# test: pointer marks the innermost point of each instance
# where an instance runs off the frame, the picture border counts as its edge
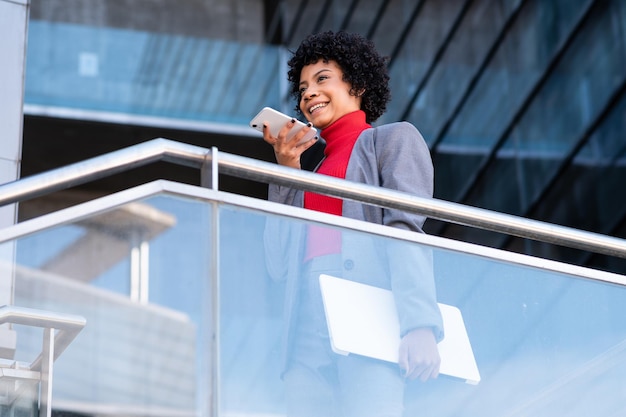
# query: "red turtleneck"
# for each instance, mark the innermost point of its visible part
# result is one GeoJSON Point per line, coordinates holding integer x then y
{"type": "Point", "coordinates": [340, 138]}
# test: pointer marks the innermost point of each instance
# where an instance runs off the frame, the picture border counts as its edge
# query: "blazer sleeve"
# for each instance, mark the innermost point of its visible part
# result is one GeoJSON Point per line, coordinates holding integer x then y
{"type": "Point", "coordinates": [285, 195]}
{"type": "Point", "coordinates": [404, 164]}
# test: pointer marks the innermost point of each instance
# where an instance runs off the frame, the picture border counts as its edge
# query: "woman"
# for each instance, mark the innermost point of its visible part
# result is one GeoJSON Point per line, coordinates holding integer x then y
{"type": "Point", "coordinates": [341, 85]}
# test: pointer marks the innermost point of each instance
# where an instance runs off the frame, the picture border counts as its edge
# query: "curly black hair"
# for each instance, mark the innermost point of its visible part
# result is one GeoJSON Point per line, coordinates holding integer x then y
{"type": "Point", "coordinates": [363, 68]}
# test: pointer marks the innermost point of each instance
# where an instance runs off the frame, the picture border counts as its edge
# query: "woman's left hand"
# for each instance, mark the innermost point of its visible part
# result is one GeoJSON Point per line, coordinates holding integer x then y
{"type": "Point", "coordinates": [419, 355]}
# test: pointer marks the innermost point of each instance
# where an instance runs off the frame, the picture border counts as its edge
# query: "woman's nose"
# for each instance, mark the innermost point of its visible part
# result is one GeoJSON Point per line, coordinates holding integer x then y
{"type": "Point", "coordinates": [308, 94]}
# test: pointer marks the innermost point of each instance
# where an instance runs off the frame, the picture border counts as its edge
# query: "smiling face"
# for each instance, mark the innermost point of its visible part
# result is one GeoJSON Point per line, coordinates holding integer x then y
{"type": "Point", "coordinates": [324, 95]}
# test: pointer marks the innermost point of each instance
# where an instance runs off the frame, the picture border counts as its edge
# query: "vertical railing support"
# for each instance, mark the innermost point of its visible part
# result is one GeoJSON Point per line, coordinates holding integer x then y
{"type": "Point", "coordinates": [139, 268]}
{"type": "Point", "coordinates": [209, 172]}
{"type": "Point", "coordinates": [47, 364]}
{"type": "Point", "coordinates": [215, 311]}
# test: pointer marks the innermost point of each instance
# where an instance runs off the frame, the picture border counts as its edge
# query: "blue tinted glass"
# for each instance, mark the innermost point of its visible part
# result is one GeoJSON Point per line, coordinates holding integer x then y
{"type": "Point", "coordinates": [555, 123]}
{"type": "Point", "coordinates": [536, 349]}
{"type": "Point", "coordinates": [149, 74]}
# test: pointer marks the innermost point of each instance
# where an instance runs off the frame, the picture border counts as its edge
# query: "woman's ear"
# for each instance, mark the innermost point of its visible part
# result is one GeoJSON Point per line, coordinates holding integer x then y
{"type": "Point", "coordinates": [357, 93]}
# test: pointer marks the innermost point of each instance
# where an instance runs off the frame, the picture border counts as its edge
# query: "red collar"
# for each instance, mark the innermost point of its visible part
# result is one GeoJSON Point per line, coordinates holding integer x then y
{"type": "Point", "coordinates": [343, 132]}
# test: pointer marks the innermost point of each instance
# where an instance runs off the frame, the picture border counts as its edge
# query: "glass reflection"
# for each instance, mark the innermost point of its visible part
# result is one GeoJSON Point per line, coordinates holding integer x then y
{"type": "Point", "coordinates": [144, 73]}
{"type": "Point", "coordinates": [535, 346]}
{"type": "Point", "coordinates": [134, 354]}
{"type": "Point", "coordinates": [542, 340]}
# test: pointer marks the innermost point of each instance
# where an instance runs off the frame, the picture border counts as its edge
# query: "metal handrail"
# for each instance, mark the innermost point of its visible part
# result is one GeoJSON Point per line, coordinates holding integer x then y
{"type": "Point", "coordinates": [261, 171]}
{"type": "Point", "coordinates": [68, 326]}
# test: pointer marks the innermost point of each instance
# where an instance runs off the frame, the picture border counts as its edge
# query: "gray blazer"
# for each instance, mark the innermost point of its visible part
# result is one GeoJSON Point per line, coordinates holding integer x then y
{"type": "Point", "coordinates": [393, 156]}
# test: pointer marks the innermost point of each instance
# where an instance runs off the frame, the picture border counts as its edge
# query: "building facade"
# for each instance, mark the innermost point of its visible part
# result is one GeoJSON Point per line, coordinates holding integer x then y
{"type": "Point", "coordinates": [520, 101]}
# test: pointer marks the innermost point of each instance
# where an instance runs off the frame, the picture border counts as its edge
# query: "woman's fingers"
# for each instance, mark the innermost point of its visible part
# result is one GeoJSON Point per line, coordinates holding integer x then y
{"type": "Point", "coordinates": [419, 355]}
{"type": "Point", "coordinates": [288, 149]}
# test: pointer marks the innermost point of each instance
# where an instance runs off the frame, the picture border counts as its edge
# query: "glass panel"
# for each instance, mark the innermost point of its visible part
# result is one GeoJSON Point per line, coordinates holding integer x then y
{"type": "Point", "coordinates": [462, 58]}
{"type": "Point", "coordinates": [538, 350]}
{"type": "Point", "coordinates": [581, 86]}
{"type": "Point", "coordinates": [365, 16]}
{"type": "Point", "coordinates": [428, 30]}
{"type": "Point", "coordinates": [146, 346]}
{"type": "Point", "coordinates": [510, 76]}
{"type": "Point", "coordinates": [542, 340]}
{"type": "Point", "coordinates": [596, 174]}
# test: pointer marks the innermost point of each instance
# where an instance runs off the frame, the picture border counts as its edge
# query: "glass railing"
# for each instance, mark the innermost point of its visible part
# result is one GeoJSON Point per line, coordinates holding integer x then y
{"type": "Point", "coordinates": [136, 356]}
{"type": "Point", "coordinates": [216, 330]}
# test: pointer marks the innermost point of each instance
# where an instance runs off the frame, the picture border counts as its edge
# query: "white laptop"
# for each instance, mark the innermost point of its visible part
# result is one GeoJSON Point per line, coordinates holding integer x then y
{"type": "Point", "coordinates": [363, 320]}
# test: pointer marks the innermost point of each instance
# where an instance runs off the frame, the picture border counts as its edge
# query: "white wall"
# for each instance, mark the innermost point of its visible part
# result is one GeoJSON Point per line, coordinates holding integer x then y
{"type": "Point", "coordinates": [13, 29]}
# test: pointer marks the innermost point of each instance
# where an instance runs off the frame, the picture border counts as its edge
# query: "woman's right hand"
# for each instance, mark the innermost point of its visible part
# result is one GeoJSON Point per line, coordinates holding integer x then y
{"type": "Point", "coordinates": [288, 152]}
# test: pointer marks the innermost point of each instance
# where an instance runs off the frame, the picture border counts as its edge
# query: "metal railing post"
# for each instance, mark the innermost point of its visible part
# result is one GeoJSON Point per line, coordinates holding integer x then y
{"type": "Point", "coordinates": [47, 369]}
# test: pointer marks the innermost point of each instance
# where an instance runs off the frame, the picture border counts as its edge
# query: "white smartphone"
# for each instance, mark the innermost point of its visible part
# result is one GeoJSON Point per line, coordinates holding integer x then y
{"type": "Point", "coordinates": [276, 121]}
